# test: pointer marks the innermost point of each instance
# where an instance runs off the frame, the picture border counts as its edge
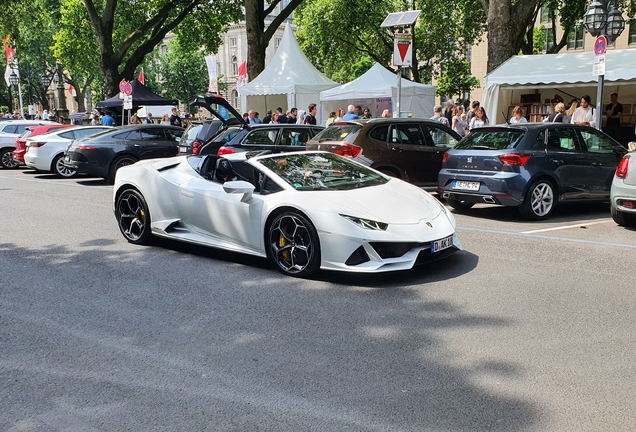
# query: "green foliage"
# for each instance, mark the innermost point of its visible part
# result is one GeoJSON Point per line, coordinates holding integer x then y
{"type": "Point", "coordinates": [183, 70]}
{"type": "Point", "coordinates": [334, 38]}
{"type": "Point", "coordinates": [456, 79]}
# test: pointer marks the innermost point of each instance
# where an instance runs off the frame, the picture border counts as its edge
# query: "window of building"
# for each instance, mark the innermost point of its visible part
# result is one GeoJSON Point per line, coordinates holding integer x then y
{"type": "Point", "coordinates": [233, 42]}
{"type": "Point", "coordinates": [546, 15]}
{"type": "Point", "coordinates": [234, 66]}
{"type": "Point", "coordinates": [236, 102]}
{"type": "Point", "coordinates": [277, 44]}
{"type": "Point", "coordinates": [549, 38]}
{"type": "Point", "coordinates": [576, 37]}
{"type": "Point", "coordinates": [632, 32]}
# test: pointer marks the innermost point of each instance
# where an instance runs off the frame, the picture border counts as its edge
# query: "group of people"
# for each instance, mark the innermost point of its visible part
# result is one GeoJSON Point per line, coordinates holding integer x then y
{"type": "Point", "coordinates": [294, 116]}
{"type": "Point", "coordinates": [578, 112]}
{"type": "Point", "coordinates": [459, 118]}
{"type": "Point", "coordinates": [354, 112]}
{"type": "Point", "coordinates": [108, 120]}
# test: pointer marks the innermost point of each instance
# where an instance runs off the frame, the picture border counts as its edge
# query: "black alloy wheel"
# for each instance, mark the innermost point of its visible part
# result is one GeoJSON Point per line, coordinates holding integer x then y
{"type": "Point", "coordinates": [293, 245]}
{"type": "Point", "coordinates": [120, 161]}
{"type": "Point", "coordinates": [133, 217]}
{"type": "Point", "coordinates": [6, 159]}
{"type": "Point", "coordinates": [61, 170]}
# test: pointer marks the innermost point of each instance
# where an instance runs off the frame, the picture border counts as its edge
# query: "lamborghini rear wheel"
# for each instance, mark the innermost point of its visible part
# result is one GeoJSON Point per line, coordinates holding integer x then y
{"type": "Point", "coordinates": [293, 245]}
{"type": "Point", "coordinates": [133, 217]}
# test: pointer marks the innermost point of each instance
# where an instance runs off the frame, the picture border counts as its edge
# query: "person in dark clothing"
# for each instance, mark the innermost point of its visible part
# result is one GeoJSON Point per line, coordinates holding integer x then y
{"type": "Point", "coordinates": [293, 115]}
{"type": "Point", "coordinates": [268, 117]}
{"type": "Point", "coordinates": [282, 118]}
{"type": "Point", "coordinates": [175, 120]}
{"type": "Point", "coordinates": [310, 118]}
{"type": "Point", "coordinates": [614, 111]}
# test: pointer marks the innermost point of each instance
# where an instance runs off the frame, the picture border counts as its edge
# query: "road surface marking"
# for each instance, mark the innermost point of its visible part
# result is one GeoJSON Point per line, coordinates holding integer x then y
{"type": "Point", "coordinates": [583, 224]}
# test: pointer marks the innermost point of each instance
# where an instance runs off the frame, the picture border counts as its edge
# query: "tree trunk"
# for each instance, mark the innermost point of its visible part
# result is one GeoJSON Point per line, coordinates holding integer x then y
{"type": "Point", "coordinates": [507, 25]}
{"type": "Point", "coordinates": [255, 29]}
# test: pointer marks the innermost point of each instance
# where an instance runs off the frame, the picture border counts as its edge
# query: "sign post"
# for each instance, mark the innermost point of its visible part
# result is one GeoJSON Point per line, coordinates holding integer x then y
{"type": "Point", "coordinates": [126, 95]}
{"type": "Point", "coordinates": [598, 69]}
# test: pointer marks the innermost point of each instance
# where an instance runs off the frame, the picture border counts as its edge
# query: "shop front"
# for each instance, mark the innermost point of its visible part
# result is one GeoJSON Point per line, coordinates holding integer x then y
{"type": "Point", "coordinates": [538, 82]}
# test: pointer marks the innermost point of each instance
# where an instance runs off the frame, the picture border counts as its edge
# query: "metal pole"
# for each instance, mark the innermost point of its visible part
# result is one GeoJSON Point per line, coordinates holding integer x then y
{"type": "Point", "coordinates": [599, 96]}
{"type": "Point", "coordinates": [19, 88]}
{"type": "Point", "coordinates": [399, 91]}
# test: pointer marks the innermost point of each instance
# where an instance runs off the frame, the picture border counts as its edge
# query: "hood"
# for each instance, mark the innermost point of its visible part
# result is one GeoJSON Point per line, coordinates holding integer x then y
{"type": "Point", "coordinates": [209, 100]}
{"type": "Point", "coordinates": [396, 202]}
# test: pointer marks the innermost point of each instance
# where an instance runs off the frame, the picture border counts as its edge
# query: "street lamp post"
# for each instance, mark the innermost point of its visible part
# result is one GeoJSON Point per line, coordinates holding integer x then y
{"type": "Point", "coordinates": [14, 80]}
{"type": "Point", "coordinates": [599, 22]}
{"type": "Point", "coordinates": [62, 111]}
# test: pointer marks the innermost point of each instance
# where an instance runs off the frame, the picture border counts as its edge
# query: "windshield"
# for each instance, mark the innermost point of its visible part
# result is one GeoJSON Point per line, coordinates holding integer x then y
{"type": "Point", "coordinates": [338, 132]}
{"type": "Point", "coordinates": [322, 172]}
{"type": "Point", "coordinates": [491, 140]}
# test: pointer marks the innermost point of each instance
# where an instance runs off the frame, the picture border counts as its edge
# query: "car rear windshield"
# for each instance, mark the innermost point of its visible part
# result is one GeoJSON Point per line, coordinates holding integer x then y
{"type": "Point", "coordinates": [192, 132]}
{"type": "Point", "coordinates": [338, 132]}
{"type": "Point", "coordinates": [491, 140]}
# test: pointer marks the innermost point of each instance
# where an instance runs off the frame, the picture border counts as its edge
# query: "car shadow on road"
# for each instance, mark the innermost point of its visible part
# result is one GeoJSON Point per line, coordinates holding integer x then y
{"type": "Point", "coordinates": [564, 212]}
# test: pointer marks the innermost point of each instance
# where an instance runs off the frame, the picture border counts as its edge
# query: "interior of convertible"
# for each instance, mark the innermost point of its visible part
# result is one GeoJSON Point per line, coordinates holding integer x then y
{"type": "Point", "coordinates": [219, 169]}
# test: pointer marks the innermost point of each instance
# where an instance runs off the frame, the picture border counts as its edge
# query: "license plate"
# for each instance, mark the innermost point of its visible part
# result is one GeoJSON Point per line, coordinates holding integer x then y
{"type": "Point", "coordinates": [466, 185]}
{"type": "Point", "coordinates": [442, 244]}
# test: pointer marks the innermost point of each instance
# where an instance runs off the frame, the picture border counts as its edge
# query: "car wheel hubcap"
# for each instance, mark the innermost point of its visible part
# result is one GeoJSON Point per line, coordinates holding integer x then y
{"type": "Point", "coordinates": [7, 160]}
{"type": "Point", "coordinates": [132, 217]}
{"type": "Point", "coordinates": [63, 170]}
{"type": "Point", "coordinates": [291, 244]}
{"type": "Point", "coordinates": [542, 199]}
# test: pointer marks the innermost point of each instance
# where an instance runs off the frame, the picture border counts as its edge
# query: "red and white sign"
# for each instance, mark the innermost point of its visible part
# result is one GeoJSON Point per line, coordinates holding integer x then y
{"type": "Point", "coordinates": [402, 49]}
{"type": "Point", "coordinates": [600, 45]}
{"type": "Point", "coordinates": [125, 87]}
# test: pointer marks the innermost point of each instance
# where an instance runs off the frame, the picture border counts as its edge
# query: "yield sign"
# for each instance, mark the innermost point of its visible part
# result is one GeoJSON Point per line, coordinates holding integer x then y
{"type": "Point", "coordinates": [402, 49]}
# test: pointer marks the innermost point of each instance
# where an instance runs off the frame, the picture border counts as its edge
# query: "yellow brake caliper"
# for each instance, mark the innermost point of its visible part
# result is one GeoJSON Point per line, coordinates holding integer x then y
{"type": "Point", "coordinates": [281, 243]}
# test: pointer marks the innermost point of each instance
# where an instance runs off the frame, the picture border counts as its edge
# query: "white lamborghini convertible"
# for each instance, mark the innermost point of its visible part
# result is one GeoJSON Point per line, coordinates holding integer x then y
{"type": "Point", "coordinates": [304, 210]}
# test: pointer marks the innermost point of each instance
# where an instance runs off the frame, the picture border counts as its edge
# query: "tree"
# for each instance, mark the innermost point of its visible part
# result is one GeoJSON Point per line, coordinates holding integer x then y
{"type": "Point", "coordinates": [184, 71]}
{"type": "Point", "coordinates": [334, 38]}
{"type": "Point", "coordinates": [457, 80]}
{"type": "Point", "coordinates": [258, 36]}
{"type": "Point", "coordinates": [126, 32]}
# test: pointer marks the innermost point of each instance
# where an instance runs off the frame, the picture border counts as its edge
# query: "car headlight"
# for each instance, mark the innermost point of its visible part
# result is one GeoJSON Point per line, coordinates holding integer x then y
{"type": "Point", "coordinates": [367, 223]}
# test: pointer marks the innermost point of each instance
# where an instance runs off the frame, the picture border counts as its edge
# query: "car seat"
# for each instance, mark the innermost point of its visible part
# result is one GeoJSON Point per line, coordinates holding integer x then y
{"type": "Point", "coordinates": [223, 171]}
{"type": "Point", "coordinates": [208, 166]}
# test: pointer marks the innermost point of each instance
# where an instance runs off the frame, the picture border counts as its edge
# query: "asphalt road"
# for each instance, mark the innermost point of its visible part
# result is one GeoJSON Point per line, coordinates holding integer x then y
{"type": "Point", "coordinates": [530, 328]}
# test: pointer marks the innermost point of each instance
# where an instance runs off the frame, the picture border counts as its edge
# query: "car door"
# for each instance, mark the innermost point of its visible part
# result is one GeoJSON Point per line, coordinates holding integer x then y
{"type": "Point", "coordinates": [442, 141]}
{"type": "Point", "coordinates": [293, 139]}
{"type": "Point", "coordinates": [212, 212]}
{"type": "Point", "coordinates": [602, 155]}
{"type": "Point", "coordinates": [153, 143]}
{"type": "Point", "coordinates": [565, 158]}
{"type": "Point", "coordinates": [409, 150]}
{"type": "Point", "coordinates": [261, 138]}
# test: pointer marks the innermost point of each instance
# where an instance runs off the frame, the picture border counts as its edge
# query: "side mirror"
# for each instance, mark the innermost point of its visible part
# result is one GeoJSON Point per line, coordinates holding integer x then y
{"type": "Point", "coordinates": [239, 187]}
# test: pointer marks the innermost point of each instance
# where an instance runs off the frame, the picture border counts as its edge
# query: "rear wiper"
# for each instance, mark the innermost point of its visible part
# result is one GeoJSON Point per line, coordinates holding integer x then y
{"type": "Point", "coordinates": [482, 147]}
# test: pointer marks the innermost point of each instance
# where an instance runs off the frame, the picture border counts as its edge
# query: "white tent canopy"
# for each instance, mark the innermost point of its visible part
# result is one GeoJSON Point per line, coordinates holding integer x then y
{"type": "Point", "coordinates": [290, 80]}
{"type": "Point", "coordinates": [569, 75]}
{"type": "Point", "coordinates": [377, 89]}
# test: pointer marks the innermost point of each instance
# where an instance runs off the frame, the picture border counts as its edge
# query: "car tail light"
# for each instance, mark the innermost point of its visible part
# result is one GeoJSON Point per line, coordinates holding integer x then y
{"type": "Point", "coordinates": [195, 147]}
{"type": "Point", "coordinates": [514, 159]}
{"type": "Point", "coordinates": [225, 150]}
{"type": "Point", "coordinates": [623, 165]}
{"type": "Point", "coordinates": [348, 150]}
{"type": "Point", "coordinates": [35, 144]}
{"type": "Point", "coordinates": [445, 158]}
{"type": "Point", "coordinates": [85, 147]}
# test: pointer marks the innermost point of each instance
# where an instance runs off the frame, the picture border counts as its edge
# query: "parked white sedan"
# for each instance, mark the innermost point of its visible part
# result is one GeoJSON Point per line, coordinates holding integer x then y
{"type": "Point", "coordinates": [623, 193]}
{"type": "Point", "coordinates": [45, 152]}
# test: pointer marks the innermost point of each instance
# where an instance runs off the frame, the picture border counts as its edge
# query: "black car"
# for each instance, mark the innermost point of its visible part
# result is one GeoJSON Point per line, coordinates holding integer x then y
{"type": "Point", "coordinates": [217, 131]}
{"type": "Point", "coordinates": [277, 138]}
{"type": "Point", "coordinates": [103, 153]}
{"type": "Point", "coordinates": [532, 166]}
{"type": "Point", "coordinates": [407, 148]}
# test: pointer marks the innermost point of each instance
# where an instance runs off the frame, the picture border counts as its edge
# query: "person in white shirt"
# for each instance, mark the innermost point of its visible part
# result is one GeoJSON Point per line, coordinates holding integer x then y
{"type": "Point", "coordinates": [479, 119]}
{"type": "Point", "coordinates": [584, 115]}
{"type": "Point", "coordinates": [517, 115]}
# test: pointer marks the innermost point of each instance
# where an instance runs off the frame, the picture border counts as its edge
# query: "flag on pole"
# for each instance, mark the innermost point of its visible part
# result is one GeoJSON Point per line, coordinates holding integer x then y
{"type": "Point", "coordinates": [11, 66]}
{"type": "Point", "coordinates": [141, 77]}
{"type": "Point", "coordinates": [242, 73]}
{"type": "Point", "coordinates": [8, 49]}
{"type": "Point", "coordinates": [213, 86]}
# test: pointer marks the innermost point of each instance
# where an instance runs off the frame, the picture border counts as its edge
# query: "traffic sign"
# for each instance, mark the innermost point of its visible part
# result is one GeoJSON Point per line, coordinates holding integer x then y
{"type": "Point", "coordinates": [403, 49]}
{"type": "Point", "coordinates": [600, 45]}
{"type": "Point", "coordinates": [125, 87]}
{"type": "Point", "coordinates": [599, 65]}
{"type": "Point", "coordinates": [128, 102]}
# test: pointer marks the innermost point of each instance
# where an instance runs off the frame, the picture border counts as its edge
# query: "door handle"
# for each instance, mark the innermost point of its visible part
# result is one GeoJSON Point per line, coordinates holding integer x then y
{"type": "Point", "coordinates": [557, 161]}
{"type": "Point", "coordinates": [597, 164]}
{"type": "Point", "coordinates": [399, 150]}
